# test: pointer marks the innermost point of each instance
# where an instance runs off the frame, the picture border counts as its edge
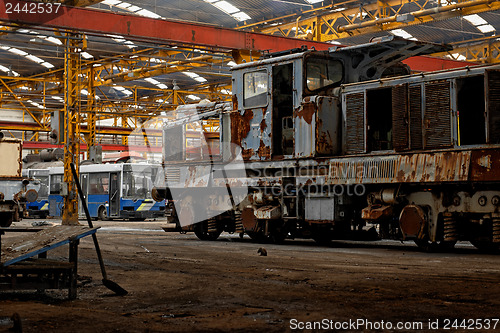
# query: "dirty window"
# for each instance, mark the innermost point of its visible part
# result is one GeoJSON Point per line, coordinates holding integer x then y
{"type": "Point", "coordinates": [99, 183]}
{"type": "Point", "coordinates": [255, 89]}
{"type": "Point", "coordinates": [56, 182]}
{"type": "Point", "coordinates": [322, 72]}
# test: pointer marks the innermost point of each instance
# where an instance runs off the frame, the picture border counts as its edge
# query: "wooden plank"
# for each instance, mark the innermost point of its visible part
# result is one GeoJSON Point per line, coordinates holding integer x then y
{"type": "Point", "coordinates": [26, 246]}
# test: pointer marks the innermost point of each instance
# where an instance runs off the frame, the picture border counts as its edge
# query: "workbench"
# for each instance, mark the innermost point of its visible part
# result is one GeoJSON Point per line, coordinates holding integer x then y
{"type": "Point", "coordinates": [24, 263]}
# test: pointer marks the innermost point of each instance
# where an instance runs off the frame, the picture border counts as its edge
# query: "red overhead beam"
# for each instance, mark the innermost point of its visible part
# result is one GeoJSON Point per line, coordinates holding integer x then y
{"type": "Point", "coordinates": [104, 22]}
{"type": "Point", "coordinates": [428, 63]}
{"type": "Point", "coordinates": [163, 31]}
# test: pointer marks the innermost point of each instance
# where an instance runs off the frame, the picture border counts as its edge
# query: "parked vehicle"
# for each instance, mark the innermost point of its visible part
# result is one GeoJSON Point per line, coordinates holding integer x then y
{"type": "Point", "coordinates": [113, 191]}
{"type": "Point", "coordinates": [347, 144]}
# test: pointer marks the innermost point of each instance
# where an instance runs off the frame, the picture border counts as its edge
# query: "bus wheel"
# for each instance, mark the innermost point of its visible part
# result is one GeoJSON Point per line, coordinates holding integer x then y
{"type": "Point", "coordinates": [201, 231]}
{"type": "Point", "coordinates": [102, 213]}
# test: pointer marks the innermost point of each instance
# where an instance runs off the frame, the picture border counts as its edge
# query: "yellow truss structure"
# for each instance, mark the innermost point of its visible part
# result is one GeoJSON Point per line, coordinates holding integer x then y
{"type": "Point", "coordinates": [337, 21]}
{"type": "Point", "coordinates": [480, 50]}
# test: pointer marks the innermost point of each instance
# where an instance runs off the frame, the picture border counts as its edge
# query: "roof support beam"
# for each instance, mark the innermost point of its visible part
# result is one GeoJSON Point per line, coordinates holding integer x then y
{"type": "Point", "coordinates": [378, 16]}
{"type": "Point", "coordinates": [131, 26]}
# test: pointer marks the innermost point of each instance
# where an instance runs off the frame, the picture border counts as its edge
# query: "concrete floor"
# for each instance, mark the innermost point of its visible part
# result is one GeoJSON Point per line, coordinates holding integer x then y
{"type": "Point", "coordinates": [177, 283]}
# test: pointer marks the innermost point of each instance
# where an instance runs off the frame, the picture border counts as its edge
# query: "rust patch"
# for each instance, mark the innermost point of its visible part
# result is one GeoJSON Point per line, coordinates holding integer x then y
{"type": "Point", "coordinates": [264, 151]}
{"type": "Point", "coordinates": [306, 112]}
{"type": "Point", "coordinates": [249, 220]}
{"type": "Point", "coordinates": [485, 165]}
{"type": "Point", "coordinates": [247, 153]}
{"type": "Point", "coordinates": [263, 125]}
{"type": "Point", "coordinates": [192, 175]}
{"type": "Point", "coordinates": [235, 103]}
{"type": "Point", "coordinates": [240, 126]}
{"type": "Point", "coordinates": [324, 144]}
{"type": "Point", "coordinates": [376, 212]}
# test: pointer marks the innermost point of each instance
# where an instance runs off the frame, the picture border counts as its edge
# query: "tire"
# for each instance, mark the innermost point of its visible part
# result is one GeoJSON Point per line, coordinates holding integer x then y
{"type": "Point", "coordinates": [102, 214]}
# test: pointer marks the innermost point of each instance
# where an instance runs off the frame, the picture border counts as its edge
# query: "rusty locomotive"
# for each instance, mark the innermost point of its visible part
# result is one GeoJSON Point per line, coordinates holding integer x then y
{"type": "Point", "coordinates": [342, 144]}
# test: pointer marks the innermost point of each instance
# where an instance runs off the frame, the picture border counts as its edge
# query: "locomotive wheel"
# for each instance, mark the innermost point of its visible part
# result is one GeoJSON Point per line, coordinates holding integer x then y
{"type": "Point", "coordinates": [322, 239]}
{"type": "Point", "coordinates": [201, 231]}
{"type": "Point", "coordinates": [257, 236]}
{"type": "Point", "coordinates": [428, 246]}
{"type": "Point", "coordinates": [486, 246]}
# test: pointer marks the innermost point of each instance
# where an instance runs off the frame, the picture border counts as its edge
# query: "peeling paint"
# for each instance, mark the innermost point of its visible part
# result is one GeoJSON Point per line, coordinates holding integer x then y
{"type": "Point", "coordinates": [240, 126]}
{"type": "Point", "coordinates": [306, 112]}
{"type": "Point", "coordinates": [264, 151]}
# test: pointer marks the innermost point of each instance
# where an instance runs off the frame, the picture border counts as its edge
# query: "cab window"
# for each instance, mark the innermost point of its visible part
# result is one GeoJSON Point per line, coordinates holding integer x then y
{"type": "Point", "coordinates": [255, 90]}
{"type": "Point", "coordinates": [321, 73]}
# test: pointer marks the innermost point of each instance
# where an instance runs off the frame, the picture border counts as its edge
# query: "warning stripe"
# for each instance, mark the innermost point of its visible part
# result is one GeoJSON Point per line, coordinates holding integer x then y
{"type": "Point", "coordinates": [145, 206]}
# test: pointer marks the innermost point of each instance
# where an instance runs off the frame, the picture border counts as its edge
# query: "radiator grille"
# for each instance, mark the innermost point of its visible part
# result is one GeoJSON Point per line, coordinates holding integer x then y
{"type": "Point", "coordinates": [437, 118]}
{"type": "Point", "coordinates": [373, 170]}
{"type": "Point", "coordinates": [172, 175]}
{"type": "Point", "coordinates": [415, 109]}
{"type": "Point", "coordinates": [400, 117]}
{"type": "Point", "coordinates": [355, 123]}
{"type": "Point", "coordinates": [493, 80]}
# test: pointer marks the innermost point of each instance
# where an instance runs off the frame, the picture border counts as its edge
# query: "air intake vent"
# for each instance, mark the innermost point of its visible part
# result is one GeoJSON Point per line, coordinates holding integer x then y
{"type": "Point", "coordinates": [355, 123]}
{"type": "Point", "coordinates": [172, 175]}
{"type": "Point", "coordinates": [437, 119]}
{"type": "Point", "coordinates": [365, 170]}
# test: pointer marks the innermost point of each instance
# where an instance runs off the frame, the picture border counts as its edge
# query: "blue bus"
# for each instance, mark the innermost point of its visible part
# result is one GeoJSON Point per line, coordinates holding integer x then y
{"type": "Point", "coordinates": [39, 207]}
{"type": "Point", "coordinates": [113, 191]}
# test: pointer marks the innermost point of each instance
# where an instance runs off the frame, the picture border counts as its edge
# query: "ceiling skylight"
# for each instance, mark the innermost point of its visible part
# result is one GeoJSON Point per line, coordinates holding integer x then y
{"type": "Point", "coordinates": [8, 71]}
{"type": "Point", "coordinates": [28, 56]}
{"type": "Point", "coordinates": [480, 23]}
{"type": "Point", "coordinates": [35, 104]}
{"type": "Point", "coordinates": [193, 97]}
{"type": "Point", "coordinates": [131, 8]}
{"type": "Point", "coordinates": [313, 1]}
{"type": "Point", "coordinates": [156, 83]}
{"type": "Point", "coordinates": [230, 9]}
{"type": "Point", "coordinates": [120, 39]}
{"type": "Point", "coordinates": [195, 77]}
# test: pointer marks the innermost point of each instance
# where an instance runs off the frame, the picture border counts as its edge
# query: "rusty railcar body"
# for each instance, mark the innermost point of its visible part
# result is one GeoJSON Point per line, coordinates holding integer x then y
{"type": "Point", "coordinates": [346, 145]}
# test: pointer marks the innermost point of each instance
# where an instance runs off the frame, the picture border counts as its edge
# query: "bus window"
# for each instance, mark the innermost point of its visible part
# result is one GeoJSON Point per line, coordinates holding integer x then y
{"type": "Point", "coordinates": [56, 182]}
{"type": "Point", "coordinates": [137, 183]}
{"type": "Point", "coordinates": [99, 183]}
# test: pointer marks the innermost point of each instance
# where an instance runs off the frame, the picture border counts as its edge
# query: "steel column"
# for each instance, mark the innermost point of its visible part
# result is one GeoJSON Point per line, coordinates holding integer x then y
{"type": "Point", "coordinates": [72, 125]}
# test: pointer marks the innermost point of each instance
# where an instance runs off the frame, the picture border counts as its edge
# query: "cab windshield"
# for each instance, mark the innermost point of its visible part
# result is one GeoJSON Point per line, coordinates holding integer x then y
{"type": "Point", "coordinates": [321, 73]}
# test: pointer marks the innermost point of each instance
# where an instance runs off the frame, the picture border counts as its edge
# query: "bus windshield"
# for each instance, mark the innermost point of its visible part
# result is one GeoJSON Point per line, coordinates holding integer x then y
{"type": "Point", "coordinates": [138, 183]}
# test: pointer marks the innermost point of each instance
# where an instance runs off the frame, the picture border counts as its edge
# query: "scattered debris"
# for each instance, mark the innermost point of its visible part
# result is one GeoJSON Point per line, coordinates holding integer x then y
{"type": "Point", "coordinates": [41, 223]}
